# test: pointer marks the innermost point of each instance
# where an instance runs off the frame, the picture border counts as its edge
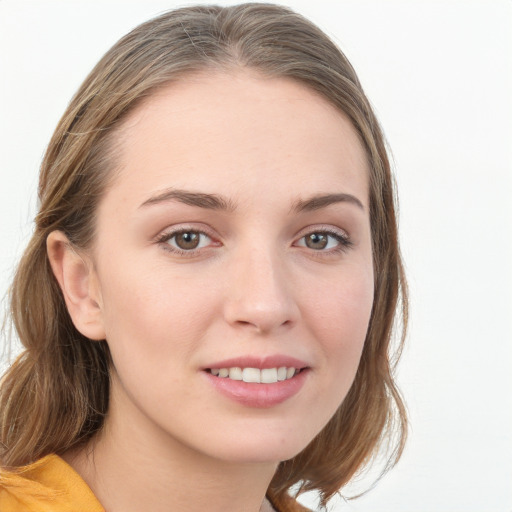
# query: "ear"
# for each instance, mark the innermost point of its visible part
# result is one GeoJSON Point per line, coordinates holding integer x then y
{"type": "Point", "coordinates": [79, 284]}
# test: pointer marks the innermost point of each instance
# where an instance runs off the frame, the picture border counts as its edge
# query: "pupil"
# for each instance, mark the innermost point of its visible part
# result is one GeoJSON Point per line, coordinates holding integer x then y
{"type": "Point", "coordinates": [316, 241]}
{"type": "Point", "coordinates": [187, 240]}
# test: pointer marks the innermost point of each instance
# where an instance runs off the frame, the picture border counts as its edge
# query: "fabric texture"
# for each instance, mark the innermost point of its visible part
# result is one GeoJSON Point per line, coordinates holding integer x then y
{"type": "Point", "coordinates": [52, 485]}
{"type": "Point", "coordinates": [48, 485]}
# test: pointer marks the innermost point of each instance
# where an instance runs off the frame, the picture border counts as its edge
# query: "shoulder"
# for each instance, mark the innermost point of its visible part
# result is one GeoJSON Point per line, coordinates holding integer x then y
{"type": "Point", "coordinates": [48, 485]}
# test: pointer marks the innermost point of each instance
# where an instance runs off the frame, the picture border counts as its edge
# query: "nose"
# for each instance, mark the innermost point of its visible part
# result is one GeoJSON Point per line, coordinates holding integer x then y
{"type": "Point", "coordinates": [259, 293]}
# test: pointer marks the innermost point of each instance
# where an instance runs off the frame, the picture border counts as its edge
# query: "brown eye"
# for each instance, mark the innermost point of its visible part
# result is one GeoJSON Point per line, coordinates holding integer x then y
{"type": "Point", "coordinates": [324, 241]}
{"type": "Point", "coordinates": [316, 240]}
{"type": "Point", "coordinates": [187, 240]}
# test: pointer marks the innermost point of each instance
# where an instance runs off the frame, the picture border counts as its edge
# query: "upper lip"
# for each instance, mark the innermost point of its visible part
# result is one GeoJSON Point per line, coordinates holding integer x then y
{"type": "Point", "coordinates": [273, 361]}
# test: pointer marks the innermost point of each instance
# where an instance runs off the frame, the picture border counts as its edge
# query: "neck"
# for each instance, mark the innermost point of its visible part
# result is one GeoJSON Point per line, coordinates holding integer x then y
{"type": "Point", "coordinates": [131, 468]}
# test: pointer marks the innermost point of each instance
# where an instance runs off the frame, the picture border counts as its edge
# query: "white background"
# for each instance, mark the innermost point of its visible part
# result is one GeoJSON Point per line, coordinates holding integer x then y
{"type": "Point", "coordinates": [439, 74]}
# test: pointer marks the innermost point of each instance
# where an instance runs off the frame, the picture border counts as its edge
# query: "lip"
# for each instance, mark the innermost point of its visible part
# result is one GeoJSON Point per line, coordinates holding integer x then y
{"type": "Point", "coordinates": [274, 361]}
{"type": "Point", "coordinates": [254, 395]}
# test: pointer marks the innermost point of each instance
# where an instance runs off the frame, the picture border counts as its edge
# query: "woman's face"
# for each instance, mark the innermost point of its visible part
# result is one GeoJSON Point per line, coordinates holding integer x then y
{"type": "Point", "coordinates": [235, 240]}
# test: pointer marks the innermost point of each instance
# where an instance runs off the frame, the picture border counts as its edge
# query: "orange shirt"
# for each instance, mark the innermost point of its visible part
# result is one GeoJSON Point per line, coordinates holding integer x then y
{"type": "Point", "coordinates": [48, 485]}
{"type": "Point", "coordinates": [52, 485]}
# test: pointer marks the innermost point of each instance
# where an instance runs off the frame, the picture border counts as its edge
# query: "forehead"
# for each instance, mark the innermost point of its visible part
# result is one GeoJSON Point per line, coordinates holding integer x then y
{"type": "Point", "coordinates": [239, 131]}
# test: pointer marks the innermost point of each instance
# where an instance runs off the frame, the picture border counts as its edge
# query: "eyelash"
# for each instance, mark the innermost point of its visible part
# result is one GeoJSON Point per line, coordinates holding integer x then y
{"type": "Point", "coordinates": [344, 242]}
{"type": "Point", "coordinates": [166, 237]}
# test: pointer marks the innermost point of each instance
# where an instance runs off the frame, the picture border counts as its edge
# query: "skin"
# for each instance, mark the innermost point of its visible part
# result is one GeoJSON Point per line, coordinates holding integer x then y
{"type": "Point", "coordinates": [253, 287]}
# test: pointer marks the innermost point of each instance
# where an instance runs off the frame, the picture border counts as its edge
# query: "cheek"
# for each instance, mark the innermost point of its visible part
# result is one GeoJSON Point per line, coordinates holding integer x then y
{"type": "Point", "coordinates": [344, 304]}
{"type": "Point", "coordinates": [150, 315]}
{"type": "Point", "coordinates": [340, 315]}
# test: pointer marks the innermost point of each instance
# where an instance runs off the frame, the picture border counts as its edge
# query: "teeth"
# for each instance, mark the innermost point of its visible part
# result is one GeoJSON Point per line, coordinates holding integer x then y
{"type": "Point", "coordinates": [251, 375]}
{"type": "Point", "coordinates": [255, 375]}
{"type": "Point", "coordinates": [235, 373]}
{"type": "Point", "coordinates": [269, 375]}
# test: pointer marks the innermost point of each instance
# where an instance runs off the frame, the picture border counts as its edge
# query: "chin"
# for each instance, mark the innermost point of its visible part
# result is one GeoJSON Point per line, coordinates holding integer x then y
{"type": "Point", "coordinates": [260, 448]}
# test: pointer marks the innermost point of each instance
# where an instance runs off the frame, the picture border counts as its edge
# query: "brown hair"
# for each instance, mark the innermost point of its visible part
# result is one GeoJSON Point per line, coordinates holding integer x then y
{"type": "Point", "coordinates": [55, 395]}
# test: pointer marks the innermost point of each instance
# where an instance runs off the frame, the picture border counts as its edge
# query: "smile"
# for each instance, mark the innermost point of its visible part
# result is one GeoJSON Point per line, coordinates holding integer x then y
{"type": "Point", "coordinates": [255, 375]}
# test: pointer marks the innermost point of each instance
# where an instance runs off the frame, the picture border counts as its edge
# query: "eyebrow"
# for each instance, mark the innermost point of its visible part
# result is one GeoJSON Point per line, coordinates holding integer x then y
{"type": "Point", "coordinates": [217, 202]}
{"type": "Point", "coordinates": [199, 199]}
{"type": "Point", "coordinates": [321, 201]}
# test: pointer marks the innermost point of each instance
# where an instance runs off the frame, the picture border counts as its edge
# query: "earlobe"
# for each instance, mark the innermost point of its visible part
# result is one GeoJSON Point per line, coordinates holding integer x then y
{"type": "Point", "coordinates": [77, 280]}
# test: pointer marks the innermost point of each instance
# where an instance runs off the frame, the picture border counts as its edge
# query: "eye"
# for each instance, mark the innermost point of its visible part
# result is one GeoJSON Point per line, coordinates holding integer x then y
{"type": "Point", "coordinates": [324, 241]}
{"type": "Point", "coordinates": [186, 240]}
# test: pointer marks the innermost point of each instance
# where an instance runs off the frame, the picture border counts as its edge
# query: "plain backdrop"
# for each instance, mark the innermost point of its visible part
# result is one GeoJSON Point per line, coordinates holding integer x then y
{"type": "Point", "coordinates": [439, 74]}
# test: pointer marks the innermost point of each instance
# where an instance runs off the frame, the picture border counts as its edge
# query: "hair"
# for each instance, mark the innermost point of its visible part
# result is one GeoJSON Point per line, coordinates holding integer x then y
{"type": "Point", "coordinates": [55, 395]}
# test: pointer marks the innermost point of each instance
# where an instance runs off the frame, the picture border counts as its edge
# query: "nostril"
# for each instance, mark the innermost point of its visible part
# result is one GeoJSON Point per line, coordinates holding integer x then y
{"type": "Point", "coordinates": [262, 309]}
{"type": "Point", "coordinates": [263, 324]}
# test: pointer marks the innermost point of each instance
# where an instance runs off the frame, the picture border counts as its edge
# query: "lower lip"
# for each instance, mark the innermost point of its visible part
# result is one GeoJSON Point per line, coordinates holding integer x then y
{"type": "Point", "coordinates": [258, 395]}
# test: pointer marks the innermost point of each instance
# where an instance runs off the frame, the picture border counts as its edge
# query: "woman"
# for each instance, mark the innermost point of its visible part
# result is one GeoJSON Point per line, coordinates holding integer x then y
{"type": "Point", "coordinates": [208, 298]}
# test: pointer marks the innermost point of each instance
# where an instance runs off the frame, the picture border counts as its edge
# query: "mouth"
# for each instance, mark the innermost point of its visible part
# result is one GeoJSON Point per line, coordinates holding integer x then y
{"type": "Point", "coordinates": [258, 382]}
{"type": "Point", "coordinates": [256, 375]}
